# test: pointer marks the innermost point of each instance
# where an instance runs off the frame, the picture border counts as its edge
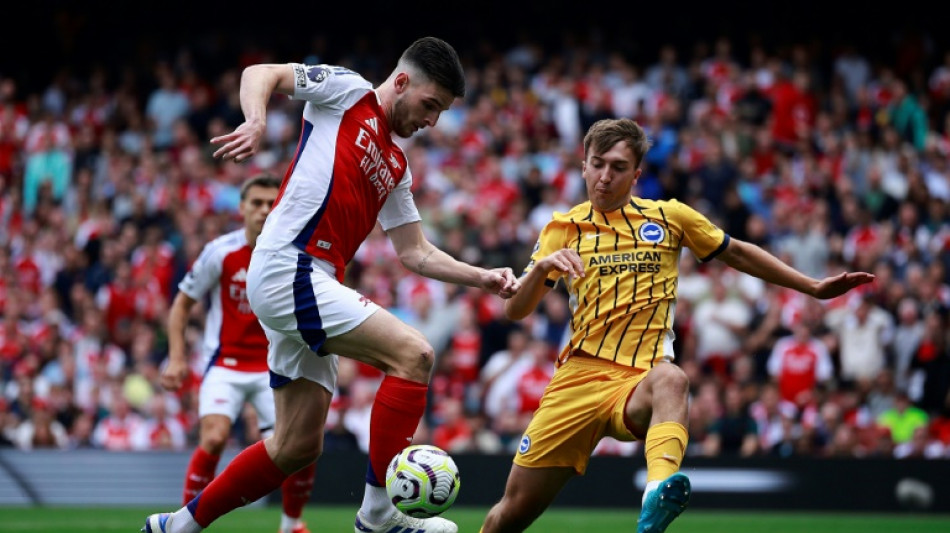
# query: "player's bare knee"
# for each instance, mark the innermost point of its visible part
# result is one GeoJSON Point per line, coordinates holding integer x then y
{"type": "Point", "coordinates": [415, 361]}
{"type": "Point", "coordinates": [671, 379]}
{"type": "Point", "coordinates": [300, 451]}
{"type": "Point", "coordinates": [213, 444]}
{"type": "Point", "coordinates": [214, 438]}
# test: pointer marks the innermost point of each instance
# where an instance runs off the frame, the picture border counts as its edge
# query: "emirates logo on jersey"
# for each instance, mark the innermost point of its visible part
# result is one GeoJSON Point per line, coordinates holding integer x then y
{"type": "Point", "coordinates": [240, 276]}
{"type": "Point", "coordinates": [238, 294]}
{"type": "Point", "coordinates": [374, 165]}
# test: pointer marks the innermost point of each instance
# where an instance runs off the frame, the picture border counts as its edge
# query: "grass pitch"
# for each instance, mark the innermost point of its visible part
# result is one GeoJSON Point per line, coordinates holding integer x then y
{"type": "Point", "coordinates": [334, 519]}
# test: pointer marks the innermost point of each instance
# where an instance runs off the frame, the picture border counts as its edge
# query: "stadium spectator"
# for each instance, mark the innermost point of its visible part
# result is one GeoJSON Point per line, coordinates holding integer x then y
{"type": "Point", "coordinates": [734, 432]}
{"type": "Point", "coordinates": [864, 332]}
{"type": "Point", "coordinates": [158, 430]}
{"type": "Point", "coordinates": [166, 104]}
{"type": "Point", "coordinates": [719, 323]}
{"type": "Point", "coordinates": [800, 363]}
{"type": "Point", "coordinates": [41, 430]}
{"type": "Point", "coordinates": [903, 419]}
{"type": "Point", "coordinates": [770, 412]}
{"type": "Point", "coordinates": [115, 431]}
{"type": "Point", "coordinates": [454, 433]}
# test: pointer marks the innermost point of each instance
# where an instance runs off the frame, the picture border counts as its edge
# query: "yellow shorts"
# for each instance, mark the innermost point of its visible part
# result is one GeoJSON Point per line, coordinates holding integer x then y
{"type": "Point", "coordinates": [584, 402]}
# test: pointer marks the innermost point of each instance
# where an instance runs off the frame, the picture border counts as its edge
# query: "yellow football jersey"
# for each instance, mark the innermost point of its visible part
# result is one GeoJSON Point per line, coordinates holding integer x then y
{"type": "Point", "coordinates": [623, 307]}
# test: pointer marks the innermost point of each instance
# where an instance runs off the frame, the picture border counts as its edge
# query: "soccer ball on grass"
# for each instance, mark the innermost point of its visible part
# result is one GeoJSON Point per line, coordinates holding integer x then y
{"type": "Point", "coordinates": [422, 481]}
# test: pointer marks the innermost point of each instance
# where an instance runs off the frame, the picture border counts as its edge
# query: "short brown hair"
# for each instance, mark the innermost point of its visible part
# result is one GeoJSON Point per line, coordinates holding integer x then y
{"type": "Point", "coordinates": [438, 61]}
{"type": "Point", "coordinates": [268, 181]}
{"type": "Point", "coordinates": [608, 132]}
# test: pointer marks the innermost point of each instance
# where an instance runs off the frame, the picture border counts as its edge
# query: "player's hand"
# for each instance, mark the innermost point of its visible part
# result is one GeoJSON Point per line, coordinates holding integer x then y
{"type": "Point", "coordinates": [241, 144]}
{"type": "Point", "coordinates": [501, 281]}
{"type": "Point", "coordinates": [566, 261]}
{"type": "Point", "coordinates": [840, 284]}
{"type": "Point", "coordinates": [174, 375]}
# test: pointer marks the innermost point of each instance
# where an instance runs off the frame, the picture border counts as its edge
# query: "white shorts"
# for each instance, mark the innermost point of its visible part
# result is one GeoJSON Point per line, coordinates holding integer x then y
{"type": "Point", "coordinates": [224, 391]}
{"type": "Point", "coordinates": [300, 304]}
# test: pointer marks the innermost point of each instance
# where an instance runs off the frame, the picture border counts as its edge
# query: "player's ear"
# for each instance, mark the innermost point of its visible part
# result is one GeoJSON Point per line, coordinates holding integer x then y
{"type": "Point", "coordinates": [401, 82]}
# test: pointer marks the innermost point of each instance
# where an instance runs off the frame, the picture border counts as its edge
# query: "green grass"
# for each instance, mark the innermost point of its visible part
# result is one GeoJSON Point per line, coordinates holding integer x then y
{"type": "Point", "coordinates": [558, 520]}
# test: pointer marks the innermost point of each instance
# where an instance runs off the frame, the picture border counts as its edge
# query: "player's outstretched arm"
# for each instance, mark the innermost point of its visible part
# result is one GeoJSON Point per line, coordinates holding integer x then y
{"type": "Point", "coordinates": [175, 372]}
{"type": "Point", "coordinates": [258, 83]}
{"type": "Point", "coordinates": [757, 262]}
{"type": "Point", "coordinates": [533, 286]}
{"type": "Point", "coordinates": [419, 255]}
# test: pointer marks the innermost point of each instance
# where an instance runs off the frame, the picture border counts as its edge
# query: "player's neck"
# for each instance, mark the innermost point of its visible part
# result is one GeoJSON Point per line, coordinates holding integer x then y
{"type": "Point", "coordinates": [251, 238]}
{"type": "Point", "coordinates": [385, 99]}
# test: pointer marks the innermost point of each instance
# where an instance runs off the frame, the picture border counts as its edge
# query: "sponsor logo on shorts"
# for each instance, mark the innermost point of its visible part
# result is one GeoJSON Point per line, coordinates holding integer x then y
{"type": "Point", "coordinates": [323, 244]}
{"type": "Point", "coordinates": [525, 445]}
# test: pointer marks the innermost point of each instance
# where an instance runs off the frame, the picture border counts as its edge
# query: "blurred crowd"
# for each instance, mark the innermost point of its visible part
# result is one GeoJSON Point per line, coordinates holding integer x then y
{"type": "Point", "coordinates": [831, 159]}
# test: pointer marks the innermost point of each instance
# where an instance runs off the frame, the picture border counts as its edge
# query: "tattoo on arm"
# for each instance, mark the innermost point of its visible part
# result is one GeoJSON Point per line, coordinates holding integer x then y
{"type": "Point", "coordinates": [422, 264]}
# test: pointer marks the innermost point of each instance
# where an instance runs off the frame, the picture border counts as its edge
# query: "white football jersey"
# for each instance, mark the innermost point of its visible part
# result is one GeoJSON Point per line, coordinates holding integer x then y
{"type": "Point", "coordinates": [347, 173]}
{"type": "Point", "coordinates": [233, 337]}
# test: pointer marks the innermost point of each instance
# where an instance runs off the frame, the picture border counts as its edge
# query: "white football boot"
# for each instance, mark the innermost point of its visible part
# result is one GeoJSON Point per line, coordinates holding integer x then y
{"type": "Point", "coordinates": [157, 523]}
{"type": "Point", "coordinates": [401, 522]}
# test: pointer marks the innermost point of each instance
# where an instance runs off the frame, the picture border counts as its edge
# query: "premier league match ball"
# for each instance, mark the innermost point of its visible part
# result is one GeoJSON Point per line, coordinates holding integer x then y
{"type": "Point", "coordinates": [422, 481]}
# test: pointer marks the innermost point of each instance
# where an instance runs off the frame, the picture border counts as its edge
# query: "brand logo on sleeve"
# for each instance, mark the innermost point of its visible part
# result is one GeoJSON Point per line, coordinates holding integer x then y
{"type": "Point", "coordinates": [525, 445]}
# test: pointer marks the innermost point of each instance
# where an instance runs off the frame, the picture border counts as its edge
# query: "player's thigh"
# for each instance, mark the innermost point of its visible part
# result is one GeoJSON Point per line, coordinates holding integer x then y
{"type": "Point", "coordinates": [383, 341]}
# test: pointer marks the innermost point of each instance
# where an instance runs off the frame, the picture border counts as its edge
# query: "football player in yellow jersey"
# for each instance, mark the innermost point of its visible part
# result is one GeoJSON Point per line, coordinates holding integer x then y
{"type": "Point", "coordinates": [615, 377]}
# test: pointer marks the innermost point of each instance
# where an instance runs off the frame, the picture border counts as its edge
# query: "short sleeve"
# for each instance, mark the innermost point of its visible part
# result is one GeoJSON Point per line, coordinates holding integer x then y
{"type": "Point", "coordinates": [399, 208]}
{"type": "Point", "coordinates": [551, 239]}
{"type": "Point", "coordinates": [700, 235]}
{"type": "Point", "coordinates": [203, 275]}
{"type": "Point", "coordinates": [327, 85]}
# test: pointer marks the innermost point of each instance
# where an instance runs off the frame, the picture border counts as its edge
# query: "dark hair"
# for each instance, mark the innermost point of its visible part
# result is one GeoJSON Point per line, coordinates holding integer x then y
{"type": "Point", "coordinates": [608, 132]}
{"type": "Point", "coordinates": [438, 61]}
{"type": "Point", "coordinates": [268, 181]}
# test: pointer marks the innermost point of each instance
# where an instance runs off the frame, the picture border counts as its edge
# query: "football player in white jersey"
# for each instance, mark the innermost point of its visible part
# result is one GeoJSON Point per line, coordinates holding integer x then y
{"type": "Point", "coordinates": [348, 174]}
{"type": "Point", "coordinates": [234, 351]}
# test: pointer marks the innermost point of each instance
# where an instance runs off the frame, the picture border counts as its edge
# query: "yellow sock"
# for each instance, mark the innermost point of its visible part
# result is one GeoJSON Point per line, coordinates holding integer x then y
{"type": "Point", "coordinates": [664, 449]}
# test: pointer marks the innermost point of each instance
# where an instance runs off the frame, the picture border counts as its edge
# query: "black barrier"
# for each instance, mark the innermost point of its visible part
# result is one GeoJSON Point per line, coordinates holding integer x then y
{"type": "Point", "coordinates": [754, 483]}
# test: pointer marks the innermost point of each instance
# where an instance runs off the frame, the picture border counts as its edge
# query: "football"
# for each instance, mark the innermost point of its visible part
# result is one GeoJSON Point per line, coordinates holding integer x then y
{"type": "Point", "coordinates": [422, 481]}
